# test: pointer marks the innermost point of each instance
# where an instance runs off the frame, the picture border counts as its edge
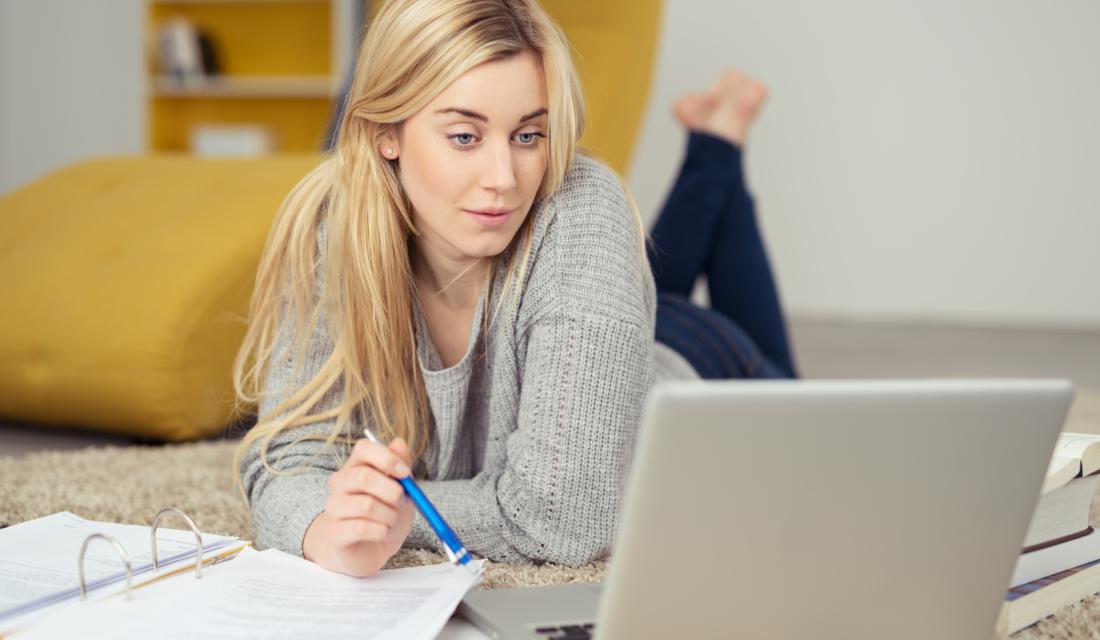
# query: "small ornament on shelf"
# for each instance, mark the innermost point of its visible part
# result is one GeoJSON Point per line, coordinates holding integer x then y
{"type": "Point", "coordinates": [186, 56]}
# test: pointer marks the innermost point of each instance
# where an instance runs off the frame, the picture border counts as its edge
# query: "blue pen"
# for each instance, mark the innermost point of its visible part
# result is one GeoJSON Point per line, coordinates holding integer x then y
{"type": "Point", "coordinates": [456, 551]}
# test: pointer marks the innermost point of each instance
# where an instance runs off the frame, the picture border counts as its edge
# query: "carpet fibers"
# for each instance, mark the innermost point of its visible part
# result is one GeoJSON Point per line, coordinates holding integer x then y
{"type": "Point", "coordinates": [130, 484]}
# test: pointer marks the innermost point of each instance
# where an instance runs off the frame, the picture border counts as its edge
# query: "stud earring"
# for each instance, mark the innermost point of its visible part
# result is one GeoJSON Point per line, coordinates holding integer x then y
{"type": "Point", "coordinates": [389, 152]}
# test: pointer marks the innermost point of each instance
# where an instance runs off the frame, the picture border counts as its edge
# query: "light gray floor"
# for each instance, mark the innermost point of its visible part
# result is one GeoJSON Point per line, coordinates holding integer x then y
{"type": "Point", "coordinates": [829, 349]}
{"type": "Point", "coordinates": [826, 349]}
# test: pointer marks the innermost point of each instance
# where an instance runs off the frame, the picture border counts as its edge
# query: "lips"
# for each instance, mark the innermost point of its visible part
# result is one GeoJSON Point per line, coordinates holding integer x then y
{"type": "Point", "coordinates": [490, 218]}
{"type": "Point", "coordinates": [490, 212]}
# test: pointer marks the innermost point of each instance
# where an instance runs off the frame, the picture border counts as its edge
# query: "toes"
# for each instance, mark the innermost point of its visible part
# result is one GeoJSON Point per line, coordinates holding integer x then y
{"type": "Point", "coordinates": [693, 109]}
{"type": "Point", "coordinates": [737, 87]}
{"type": "Point", "coordinates": [729, 73]}
{"type": "Point", "coordinates": [732, 78]}
{"type": "Point", "coordinates": [756, 92]}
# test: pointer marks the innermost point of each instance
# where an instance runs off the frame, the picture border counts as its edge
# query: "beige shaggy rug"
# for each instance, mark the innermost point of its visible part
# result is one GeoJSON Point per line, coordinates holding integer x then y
{"type": "Point", "coordinates": [129, 484]}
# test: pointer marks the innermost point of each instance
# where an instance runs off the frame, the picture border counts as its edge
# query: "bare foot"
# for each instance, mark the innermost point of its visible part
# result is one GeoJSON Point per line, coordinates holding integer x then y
{"type": "Point", "coordinates": [694, 109]}
{"type": "Point", "coordinates": [727, 109]}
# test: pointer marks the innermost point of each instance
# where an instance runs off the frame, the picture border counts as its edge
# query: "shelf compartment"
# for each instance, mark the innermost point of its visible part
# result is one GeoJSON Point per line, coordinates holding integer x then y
{"type": "Point", "coordinates": [298, 124]}
{"type": "Point", "coordinates": [260, 38]}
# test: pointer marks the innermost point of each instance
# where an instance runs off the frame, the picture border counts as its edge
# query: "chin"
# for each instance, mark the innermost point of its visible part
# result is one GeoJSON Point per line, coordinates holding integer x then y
{"type": "Point", "coordinates": [485, 249]}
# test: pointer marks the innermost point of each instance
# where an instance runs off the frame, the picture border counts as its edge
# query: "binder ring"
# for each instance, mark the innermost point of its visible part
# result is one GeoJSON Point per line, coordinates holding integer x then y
{"type": "Point", "coordinates": [190, 523]}
{"type": "Point", "coordinates": [122, 552]}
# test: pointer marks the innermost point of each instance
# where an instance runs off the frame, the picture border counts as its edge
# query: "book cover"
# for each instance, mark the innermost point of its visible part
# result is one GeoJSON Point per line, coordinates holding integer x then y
{"type": "Point", "coordinates": [1031, 602]}
{"type": "Point", "coordinates": [1016, 593]}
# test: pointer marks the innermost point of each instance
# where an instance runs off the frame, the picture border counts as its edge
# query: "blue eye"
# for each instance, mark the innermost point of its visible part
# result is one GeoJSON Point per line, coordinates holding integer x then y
{"type": "Point", "coordinates": [466, 139]}
{"type": "Point", "coordinates": [533, 138]}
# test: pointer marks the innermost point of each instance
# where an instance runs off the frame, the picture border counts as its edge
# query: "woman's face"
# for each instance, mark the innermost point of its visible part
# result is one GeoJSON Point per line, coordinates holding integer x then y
{"type": "Point", "coordinates": [480, 146]}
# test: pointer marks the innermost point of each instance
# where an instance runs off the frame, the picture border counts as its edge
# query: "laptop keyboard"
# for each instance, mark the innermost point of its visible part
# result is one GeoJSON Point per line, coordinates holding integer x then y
{"type": "Point", "coordinates": [566, 632]}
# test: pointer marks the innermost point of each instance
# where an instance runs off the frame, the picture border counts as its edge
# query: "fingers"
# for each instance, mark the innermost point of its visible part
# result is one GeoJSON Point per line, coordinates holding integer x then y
{"type": "Point", "coordinates": [360, 479]}
{"type": "Point", "coordinates": [371, 469]}
{"type": "Point", "coordinates": [401, 448]}
{"type": "Point", "coordinates": [366, 502]}
{"type": "Point", "coordinates": [351, 532]}
{"type": "Point", "coordinates": [350, 506]}
{"type": "Point", "coordinates": [383, 458]}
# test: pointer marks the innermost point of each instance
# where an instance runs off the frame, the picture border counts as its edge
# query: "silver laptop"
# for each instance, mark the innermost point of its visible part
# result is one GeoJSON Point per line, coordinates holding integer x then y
{"type": "Point", "coordinates": [846, 509]}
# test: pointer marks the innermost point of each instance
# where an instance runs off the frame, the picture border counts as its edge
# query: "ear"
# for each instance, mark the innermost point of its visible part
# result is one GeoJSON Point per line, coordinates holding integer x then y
{"type": "Point", "coordinates": [388, 147]}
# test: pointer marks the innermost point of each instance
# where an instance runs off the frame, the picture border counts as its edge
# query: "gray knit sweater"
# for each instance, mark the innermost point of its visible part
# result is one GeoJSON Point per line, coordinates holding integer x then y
{"type": "Point", "coordinates": [532, 430]}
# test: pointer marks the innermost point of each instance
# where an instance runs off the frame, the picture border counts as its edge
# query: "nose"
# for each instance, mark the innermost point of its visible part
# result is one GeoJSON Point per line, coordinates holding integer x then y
{"type": "Point", "coordinates": [500, 172]}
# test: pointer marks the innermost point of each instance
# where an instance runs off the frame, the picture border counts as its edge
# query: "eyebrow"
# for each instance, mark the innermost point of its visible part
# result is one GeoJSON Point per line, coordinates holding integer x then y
{"type": "Point", "coordinates": [477, 116]}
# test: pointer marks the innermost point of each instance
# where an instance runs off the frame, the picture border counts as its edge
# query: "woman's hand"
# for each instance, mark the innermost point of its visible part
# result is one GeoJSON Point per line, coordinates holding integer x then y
{"type": "Point", "coordinates": [367, 515]}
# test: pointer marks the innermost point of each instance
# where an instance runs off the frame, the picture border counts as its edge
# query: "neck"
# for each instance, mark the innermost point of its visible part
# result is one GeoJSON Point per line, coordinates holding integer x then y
{"type": "Point", "coordinates": [454, 282]}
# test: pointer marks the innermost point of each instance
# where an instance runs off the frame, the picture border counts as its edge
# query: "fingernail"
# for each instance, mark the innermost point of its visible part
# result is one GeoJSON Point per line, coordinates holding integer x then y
{"type": "Point", "coordinates": [401, 470]}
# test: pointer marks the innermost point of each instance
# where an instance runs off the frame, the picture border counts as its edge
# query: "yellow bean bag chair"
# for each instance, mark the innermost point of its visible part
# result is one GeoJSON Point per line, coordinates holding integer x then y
{"type": "Point", "coordinates": [127, 280]}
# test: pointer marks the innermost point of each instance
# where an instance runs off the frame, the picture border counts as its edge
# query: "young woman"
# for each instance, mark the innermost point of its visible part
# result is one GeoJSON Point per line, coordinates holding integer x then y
{"type": "Point", "coordinates": [459, 278]}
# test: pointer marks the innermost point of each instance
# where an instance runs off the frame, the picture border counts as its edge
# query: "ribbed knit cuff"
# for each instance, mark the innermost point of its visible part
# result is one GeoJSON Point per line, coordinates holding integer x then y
{"type": "Point", "coordinates": [296, 500]}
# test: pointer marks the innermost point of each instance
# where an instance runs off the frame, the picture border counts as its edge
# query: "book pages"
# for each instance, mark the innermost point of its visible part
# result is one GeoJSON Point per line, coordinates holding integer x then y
{"type": "Point", "coordinates": [1062, 469]}
{"type": "Point", "coordinates": [1084, 446]}
{"type": "Point", "coordinates": [270, 594]}
{"type": "Point", "coordinates": [38, 559]}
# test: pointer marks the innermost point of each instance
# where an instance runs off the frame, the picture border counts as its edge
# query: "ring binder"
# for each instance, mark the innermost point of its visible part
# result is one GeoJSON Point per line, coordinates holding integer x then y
{"type": "Point", "coordinates": [126, 558]}
{"type": "Point", "coordinates": [190, 523]}
{"type": "Point", "coordinates": [263, 594]}
{"type": "Point", "coordinates": [48, 538]}
{"type": "Point", "coordinates": [122, 552]}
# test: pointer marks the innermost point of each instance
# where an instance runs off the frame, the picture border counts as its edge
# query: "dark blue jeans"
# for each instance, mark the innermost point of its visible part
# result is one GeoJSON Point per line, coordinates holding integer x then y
{"type": "Point", "coordinates": [708, 227]}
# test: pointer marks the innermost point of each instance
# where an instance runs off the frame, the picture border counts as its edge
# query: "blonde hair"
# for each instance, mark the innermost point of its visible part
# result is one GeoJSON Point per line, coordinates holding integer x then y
{"type": "Point", "coordinates": [412, 51]}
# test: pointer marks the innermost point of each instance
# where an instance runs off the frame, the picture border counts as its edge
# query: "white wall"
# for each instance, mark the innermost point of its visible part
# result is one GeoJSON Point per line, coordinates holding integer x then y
{"type": "Point", "coordinates": [917, 160]}
{"type": "Point", "coordinates": [70, 84]}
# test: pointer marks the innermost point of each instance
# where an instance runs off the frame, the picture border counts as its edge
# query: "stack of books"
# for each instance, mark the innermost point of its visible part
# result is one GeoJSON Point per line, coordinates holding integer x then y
{"type": "Point", "coordinates": [185, 54]}
{"type": "Point", "coordinates": [1060, 561]}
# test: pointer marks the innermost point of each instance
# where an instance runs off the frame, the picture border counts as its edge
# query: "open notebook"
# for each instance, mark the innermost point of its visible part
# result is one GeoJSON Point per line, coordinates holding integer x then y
{"type": "Point", "coordinates": [39, 568]}
{"type": "Point", "coordinates": [271, 594]}
{"type": "Point", "coordinates": [256, 594]}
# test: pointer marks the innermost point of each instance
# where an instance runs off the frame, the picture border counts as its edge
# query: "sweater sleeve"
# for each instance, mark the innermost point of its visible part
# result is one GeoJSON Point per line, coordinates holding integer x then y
{"type": "Point", "coordinates": [586, 369]}
{"type": "Point", "coordinates": [284, 504]}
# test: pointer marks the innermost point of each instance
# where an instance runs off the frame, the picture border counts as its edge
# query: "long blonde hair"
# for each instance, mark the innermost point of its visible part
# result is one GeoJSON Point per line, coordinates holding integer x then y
{"type": "Point", "coordinates": [412, 51]}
